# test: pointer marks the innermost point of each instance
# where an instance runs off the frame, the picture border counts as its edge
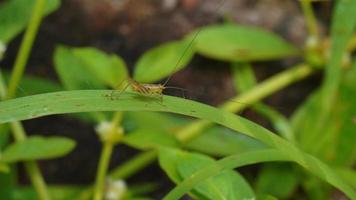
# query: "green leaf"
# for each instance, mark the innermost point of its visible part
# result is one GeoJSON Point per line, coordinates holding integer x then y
{"type": "Point", "coordinates": [152, 121]}
{"type": "Point", "coordinates": [277, 179]}
{"type": "Point", "coordinates": [169, 160]}
{"type": "Point", "coordinates": [36, 148]}
{"type": "Point", "coordinates": [97, 100]}
{"type": "Point", "coordinates": [227, 185]}
{"type": "Point", "coordinates": [163, 60]}
{"type": "Point", "coordinates": [220, 141]}
{"type": "Point", "coordinates": [72, 72]}
{"type": "Point", "coordinates": [349, 175]}
{"type": "Point", "coordinates": [227, 163]}
{"type": "Point", "coordinates": [343, 25]}
{"type": "Point", "coordinates": [150, 130]}
{"type": "Point", "coordinates": [336, 144]}
{"type": "Point", "coordinates": [8, 183]}
{"type": "Point", "coordinates": [145, 139]}
{"type": "Point", "coordinates": [15, 14]}
{"type": "Point", "coordinates": [109, 69]}
{"type": "Point", "coordinates": [88, 68]}
{"type": "Point", "coordinates": [30, 85]}
{"type": "Point", "coordinates": [240, 43]}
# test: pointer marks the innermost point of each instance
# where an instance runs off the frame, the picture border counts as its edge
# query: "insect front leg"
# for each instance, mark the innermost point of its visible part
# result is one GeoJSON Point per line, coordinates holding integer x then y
{"type": "Point", "coordinates": [112, 94]}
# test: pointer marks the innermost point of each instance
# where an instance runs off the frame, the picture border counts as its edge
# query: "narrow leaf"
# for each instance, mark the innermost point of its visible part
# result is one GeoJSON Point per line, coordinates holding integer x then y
{"type": "Point", "coordinates": [343, 25]}
{"type": "Point", "coordinates": [98, 100]}
{"type": "Point", "coordinates": [244, 80]}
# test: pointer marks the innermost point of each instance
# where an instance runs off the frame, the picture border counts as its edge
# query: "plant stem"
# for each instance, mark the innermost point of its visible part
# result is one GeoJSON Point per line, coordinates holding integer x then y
{"type": "Point", "coordinates": [310, 19]}
{"type": "Point", "coordinates": [109, 139]}
{"type": "Point", "coordinates": [134, 165]}
{"type": "Point", "coordinates": [17, 129]}
{"type": "Point", "coordinates": [31, 166]}
{"type": "Point", "coordinates": [255, 94]}
{"type": "Point", "coordinates": [102, 170]}
{"type": "Point", "coordinates": [25, 47]}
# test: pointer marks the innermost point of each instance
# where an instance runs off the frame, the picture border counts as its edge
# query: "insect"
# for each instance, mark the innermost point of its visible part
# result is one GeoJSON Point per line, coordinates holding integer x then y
{"type": "Point", "coordinates": [156, 90]}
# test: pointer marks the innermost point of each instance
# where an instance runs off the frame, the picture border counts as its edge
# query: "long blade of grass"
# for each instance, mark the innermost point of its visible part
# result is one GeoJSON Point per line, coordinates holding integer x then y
{"type": "Point", "coordinates": [99, 100]}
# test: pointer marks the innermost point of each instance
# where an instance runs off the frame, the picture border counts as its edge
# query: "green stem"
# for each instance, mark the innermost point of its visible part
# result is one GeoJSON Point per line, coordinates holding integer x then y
{"type": "Point", "coordinates": [25, 48]}
{"type": "Point", "coordinates": [130, 167]}
{"type": "Point", "coordinates": [109, 141]}
{"type": "Point", "coordinates": [310, 19]}
{"type": "Point", "coordinates": [37, 180]}
{"type": "Point", "coordinates": [257, 93]}
{"type": "Point", "coordinates": [102, 170]}
{"type": "Point", "coordinates": [31, 167]}
{"type": "Point", "coordinates": [20, 63]}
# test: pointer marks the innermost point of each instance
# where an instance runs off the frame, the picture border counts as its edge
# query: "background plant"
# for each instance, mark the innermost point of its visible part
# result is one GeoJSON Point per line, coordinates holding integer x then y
{"type": "Point", "coordinates": [322, 126]}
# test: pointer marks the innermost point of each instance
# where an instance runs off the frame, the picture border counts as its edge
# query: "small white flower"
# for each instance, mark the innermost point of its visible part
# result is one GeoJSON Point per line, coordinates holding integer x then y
{"type": "Point", "coordinates": [116, 190]}
{"type": "Point", "coordinates": [108, 132]}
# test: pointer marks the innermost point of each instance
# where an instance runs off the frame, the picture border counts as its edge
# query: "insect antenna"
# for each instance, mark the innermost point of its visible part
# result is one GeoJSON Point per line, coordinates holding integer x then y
{"type": "Point", "coordinates": [190, 45]}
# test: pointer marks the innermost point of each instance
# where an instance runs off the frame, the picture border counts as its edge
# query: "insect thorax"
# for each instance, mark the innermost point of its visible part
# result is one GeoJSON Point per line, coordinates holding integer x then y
{"type": "Point", "coordinates": [154, 88]}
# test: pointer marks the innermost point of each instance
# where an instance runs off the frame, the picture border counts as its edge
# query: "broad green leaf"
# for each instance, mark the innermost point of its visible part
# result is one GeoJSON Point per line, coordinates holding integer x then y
{"type": "Point", "coordinates": [215, 168]}
{"type": "Point", "coordinates": [163, 60]}
{"type": "Point", "coordinates": [277, 179]}
{"type": "Point", "coordinates": [220, 141]}
{"type": "Point", "coordinates": [169, 160]}
{"type": "Point", "coordinates": [72, 71]}
{"type": "Point", "coordinates": [97, 100]}
{"type": "Point", "coordinates": [15, 14]}
{"type": "Point", "coordinates": [227, 185]}
{"type": "Point", "coordinates": [109, 69]}
{"type": "Point", "coordinates": [37, 148]}
{"type": "Point", "coordinates": [240, 43]}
